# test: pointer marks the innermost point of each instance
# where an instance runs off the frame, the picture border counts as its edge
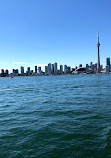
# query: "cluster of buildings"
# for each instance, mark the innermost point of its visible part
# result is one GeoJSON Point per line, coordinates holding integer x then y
{"type": "Point", "coordinates": [52, 69]}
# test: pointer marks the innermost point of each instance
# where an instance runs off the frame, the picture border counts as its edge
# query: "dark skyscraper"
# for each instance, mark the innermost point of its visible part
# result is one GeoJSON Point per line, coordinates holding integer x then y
{"type": "Point", "coordinates": [98, 61]}
{"type": "Point", "coordinates": [39, 69]}
{"type": "Point", "coordinates": [108, 61]}
{"type": "Point", "coordinates": [35, 69]}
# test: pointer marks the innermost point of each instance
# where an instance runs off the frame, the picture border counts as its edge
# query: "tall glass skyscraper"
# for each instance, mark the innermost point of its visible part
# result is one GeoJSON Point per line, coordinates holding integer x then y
{"type": "Point", "coordinates": [55, 68]}
{"type": "Point", "coordinates": [108, 61]}
{"type": "Point", "coordinates": [22, 70]}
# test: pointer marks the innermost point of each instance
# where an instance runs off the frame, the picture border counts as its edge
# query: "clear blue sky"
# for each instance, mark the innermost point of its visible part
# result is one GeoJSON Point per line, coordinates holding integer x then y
{"type": "Point", "coordinates": [63, 31]}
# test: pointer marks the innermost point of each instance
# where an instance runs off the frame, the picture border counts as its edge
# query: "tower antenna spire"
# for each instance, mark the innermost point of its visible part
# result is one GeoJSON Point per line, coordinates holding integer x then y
{"type": "Point", "coordinates": [98, 36]}
{"type": "Point", "coordinates": [98, 61]}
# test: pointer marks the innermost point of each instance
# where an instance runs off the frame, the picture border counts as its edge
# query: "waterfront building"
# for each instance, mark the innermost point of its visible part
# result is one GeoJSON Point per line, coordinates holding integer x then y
{"type": "Point", "coordinates": [108, 61]}
{"type": "Point", "coordinates": [61, 69]}
{"type": "Point", "coordinates": [36, 69]}
{"type": "Point", "coordinates": [65, 69]}
{"type": "Point", "coordinates": [91, 66]}
{"type": "Point", "coordinates": [28, 71]}
{"type": "Point", "coordinates": [2, 73]}
{"type": "Point", "coordinates": [6, 72]}
{"type": "Point", "coordinates": [49, 68]}
{"type": "Point", "coordinates": [107, 68]}
{"type": "Point", "coordinates": [93, 69]}
{"type": "Point", "coordinates": [46, 69]}
{"type": "Point", "coordinates": [22, 70]}
{"type": "Point", "coordinates": [68, 69]}
{"type": "Point", "coordinates": [79, 70]}
{"type": "Point", "coordinates": [88, 69]}
{"type": "Point", "coordinates": [55, 68]}
{"type": "Point", "coordinates": [39, 69]}
{"type": "Point", "coordinates": [98, 61]}
{"type": "Point", "coordinates": [52, 69]}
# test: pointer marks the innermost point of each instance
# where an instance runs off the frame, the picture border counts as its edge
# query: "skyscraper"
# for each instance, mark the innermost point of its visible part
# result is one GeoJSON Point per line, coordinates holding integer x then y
{"type": "Point", "coordinates": [46, 69]}
{"type": "Point", "coordinates": [65, 69]}
{"type": "Point", "coordinates": [61, 69]}
{"type": "Point", "coordinates": [39, 69]}
{"type": "Point", "coordinates": [35, 69]}
{"type": "Point", "coordinates": [98, 61]}
{"type": "Point", "coordinates": [108, 61]}
{"type": "Point", "coordinates": [49, 68]}
{"type": "Point", "coordinates": [52, 69]}
{"type": "Point", "coordinates": [107, 64]}
{"type": "Point", "coordinates": [22, 70]}
{"type": "Point", "coordinates": [55, 68]}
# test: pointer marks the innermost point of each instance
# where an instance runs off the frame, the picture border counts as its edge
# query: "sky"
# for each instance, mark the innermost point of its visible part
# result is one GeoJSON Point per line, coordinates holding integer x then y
{"type": "Point", "coordinates": [38, 32]}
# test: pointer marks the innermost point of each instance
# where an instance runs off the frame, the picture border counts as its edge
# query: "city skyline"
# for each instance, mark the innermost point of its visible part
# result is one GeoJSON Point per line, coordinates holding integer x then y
{"type": "Point", "coordinates": [53, 68]}
{"type": "Point", "coordinates": [58, 31]}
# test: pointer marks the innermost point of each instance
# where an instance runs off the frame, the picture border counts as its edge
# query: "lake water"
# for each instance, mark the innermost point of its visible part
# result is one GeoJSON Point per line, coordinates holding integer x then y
{"type": "Point", "coordinates": [55, 116]}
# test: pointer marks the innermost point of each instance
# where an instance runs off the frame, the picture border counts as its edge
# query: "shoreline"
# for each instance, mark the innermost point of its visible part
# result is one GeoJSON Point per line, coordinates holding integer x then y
{"type": "Point", "coordinates": [55, 75]}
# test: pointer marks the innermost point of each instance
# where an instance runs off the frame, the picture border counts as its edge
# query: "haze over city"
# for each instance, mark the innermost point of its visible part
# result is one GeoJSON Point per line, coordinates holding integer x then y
{"type": "Point", "coordinates": [40, 32]}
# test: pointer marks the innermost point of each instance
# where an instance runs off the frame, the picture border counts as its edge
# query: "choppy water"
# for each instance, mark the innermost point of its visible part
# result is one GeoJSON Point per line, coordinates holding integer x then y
{"type": "Point", "coordinates": [55, 117]}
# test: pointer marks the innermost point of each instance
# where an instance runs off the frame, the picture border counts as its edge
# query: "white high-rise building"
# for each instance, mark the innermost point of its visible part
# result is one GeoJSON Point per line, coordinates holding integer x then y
{"type": "Point", "coordinates": [22, 70]}
{"type": "Point", "coordinates": [65, 69]}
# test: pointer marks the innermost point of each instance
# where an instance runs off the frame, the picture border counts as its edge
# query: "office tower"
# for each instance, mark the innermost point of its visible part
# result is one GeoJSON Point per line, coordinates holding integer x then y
{"type": "Point", "coordinates": [93, 69]}
{"type": "Point", "coordinates": [22, 70]}
{"type": "Point", "coordinates": [49, 68]}
{"type": "Point", "coordinates": [39, 69]}
{"type": "Point", "coordinates": [52, 70]}
{"type": "Point", "coordinates": [91, 66]}
{"type": "Point", "coordinates": [6, 72]}
{"type": "Point", "coordinates": [98, 61]}
{"type": "Point", "coordinates": [55, 68]}
{"type": "Point", "coordinates": [65, 69]}
{"type": "Point", "coordinates": [107, 68]}
{"type": "Point", "coordinates": [108, 61]}
{"type": "Point", "coordinates": [107, 65]}
{"type": "Point", "coordinates": [35, 69]}
{"type": "Point", "coordinates": [68, 69]}
{"type": "Point", "coordinates": [46, 69]}
{"type": "Point", "coordinates": [61, 69]}
{"type": "Point", "coordinates": [2, 73]}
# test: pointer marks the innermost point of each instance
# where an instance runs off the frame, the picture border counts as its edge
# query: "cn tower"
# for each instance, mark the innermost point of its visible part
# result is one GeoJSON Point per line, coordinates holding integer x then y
{"type": "Point", "coordinates": [98, 62]}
